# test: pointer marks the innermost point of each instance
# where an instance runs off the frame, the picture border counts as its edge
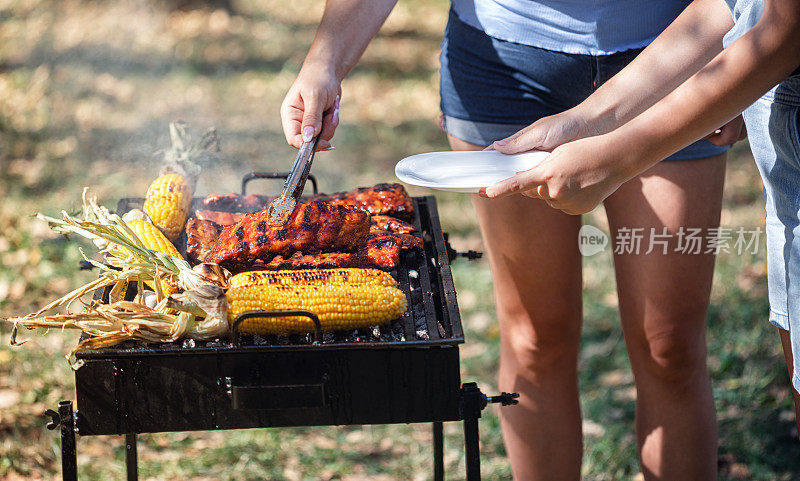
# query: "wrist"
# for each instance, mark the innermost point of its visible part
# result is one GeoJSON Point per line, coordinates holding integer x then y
{"type": "Point", "coordinates": [322, 66]}
{"type": "Point", "coordinates": [597, 119]}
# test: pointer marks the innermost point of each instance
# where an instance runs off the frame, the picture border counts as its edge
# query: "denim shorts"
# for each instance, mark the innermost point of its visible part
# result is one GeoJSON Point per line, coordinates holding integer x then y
{"type": "Point", "coordinates": [773, 127]}
{"type": "Point", "coordinates": [492, 88]}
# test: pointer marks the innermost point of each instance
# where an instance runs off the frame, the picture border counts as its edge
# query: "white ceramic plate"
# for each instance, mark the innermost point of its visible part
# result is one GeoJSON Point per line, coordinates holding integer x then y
{"type": "Point", "coordinates": [463, 171]}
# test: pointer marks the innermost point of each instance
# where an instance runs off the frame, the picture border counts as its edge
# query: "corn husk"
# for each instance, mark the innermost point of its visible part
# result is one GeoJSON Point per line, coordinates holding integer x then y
{"type": "Point", "coordinates": [185, 156]}
{"type": "Point", "coordinates": [174, 318]}
{"type": "Point", "coordinates": [199, 312]}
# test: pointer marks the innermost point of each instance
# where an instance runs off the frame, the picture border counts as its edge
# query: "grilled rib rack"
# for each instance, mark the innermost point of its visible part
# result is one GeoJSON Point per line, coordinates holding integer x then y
{"type": "Point", "coordinates": [405, 372]}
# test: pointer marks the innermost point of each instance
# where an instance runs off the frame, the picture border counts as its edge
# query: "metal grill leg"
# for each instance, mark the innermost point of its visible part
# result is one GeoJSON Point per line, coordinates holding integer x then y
{"type": "Point", "coordinates": [69, 455]}
{"type": "Point", "coordinates": [472, 445]}
{"type": "Point", "coordinates": [472, 403]}
{"type": "Point", "coordinates": [131, 463]}
{"type": "Point", "coordinates": [438, 452]}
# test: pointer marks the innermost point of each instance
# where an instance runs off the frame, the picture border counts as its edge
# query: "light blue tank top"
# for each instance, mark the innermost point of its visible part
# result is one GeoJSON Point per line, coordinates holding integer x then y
{"type": "Point", "coordinates": [746, 14]}
{"type": "Point", "coordinates": [597, 27]}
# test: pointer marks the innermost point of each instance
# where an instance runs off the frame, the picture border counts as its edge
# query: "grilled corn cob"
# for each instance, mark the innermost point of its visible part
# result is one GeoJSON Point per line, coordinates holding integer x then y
{"type": "Point", "coordinates": [341, 298]}
{"type": "Point", "coordinates": [292, 277]}
{"type": "Point", "coordinates": [167, 202]}
{"type": "Point", "coordinates": [169, 197]}
{"type": "Point", "coordinates": [154, 240]}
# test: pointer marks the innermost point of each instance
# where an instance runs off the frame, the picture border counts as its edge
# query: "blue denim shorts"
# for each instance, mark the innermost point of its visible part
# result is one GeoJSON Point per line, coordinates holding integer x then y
{"type": "Point", "coordinates": [773, 127]}
{"type": "Point", "coordinates": [492, 88]}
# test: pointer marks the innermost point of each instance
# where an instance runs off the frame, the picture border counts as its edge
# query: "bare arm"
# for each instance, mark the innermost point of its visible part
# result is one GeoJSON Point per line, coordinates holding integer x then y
{"type": "Point", "coordinates": [580, 174]}
{"type": "Point", "coordinates": [722, 89]}
{"type": "Point", "coordinates": [682, 49]}
{"type": "Point", "coordinates": [346, 28]}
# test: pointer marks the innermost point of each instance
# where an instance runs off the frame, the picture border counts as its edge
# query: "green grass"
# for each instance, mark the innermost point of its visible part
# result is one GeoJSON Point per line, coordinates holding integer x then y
{"type": "Point", "coordinates": [84, 106]}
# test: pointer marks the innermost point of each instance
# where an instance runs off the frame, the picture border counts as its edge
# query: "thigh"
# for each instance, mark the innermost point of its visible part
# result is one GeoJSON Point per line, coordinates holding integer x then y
{"type": "Point", "coordinates": [663, 297]}
{"type": "Point", "coordinates": [536, 267]}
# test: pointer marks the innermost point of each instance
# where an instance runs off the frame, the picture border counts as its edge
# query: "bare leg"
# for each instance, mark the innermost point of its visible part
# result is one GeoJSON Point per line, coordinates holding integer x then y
{"type": "Point", "coordinates": [663, 300]}
{"type": "Point", "coordinates": [786, 342]}
{"type": "Point", "coordinates": [536, 269]}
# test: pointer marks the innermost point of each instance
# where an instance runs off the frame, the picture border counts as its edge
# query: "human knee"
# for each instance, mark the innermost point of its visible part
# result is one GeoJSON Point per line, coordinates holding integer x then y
{"type": "Point", "coordinates": [540, 344]}
{"type": "Point", "coordinates": [675, 356]}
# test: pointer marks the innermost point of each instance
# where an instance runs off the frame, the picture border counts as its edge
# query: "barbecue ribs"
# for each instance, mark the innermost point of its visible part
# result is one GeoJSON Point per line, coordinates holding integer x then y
{"type": "Point", "coordinates": [381, 249]}
{"type": "Point", "coordinates": [390, 224]}
{"type": "Point", "coordinates": [219, 217]}
{"type": "Point", "coordinates": [201, 235]}
{"type": "Point", "coordinates": [246, 204]}
{"type": "Point", "coordinates": [380, 199]}
{"type": "Point", "coordinates": [377, 222]}
{"type": "Point", "coordinates": [312, 227]}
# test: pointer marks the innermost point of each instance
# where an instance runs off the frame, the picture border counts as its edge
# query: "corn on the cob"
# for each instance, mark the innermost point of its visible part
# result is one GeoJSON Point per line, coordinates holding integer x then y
{"type": "Point", "coordinates": [292, 277]}
{"type": "Point", "coordinates": [153, 239]}
{"type": "Point", "coordinates": [167, 202]}
{"type": "Point", "coordinates": [169, 197]}
{"type": "Point", "coordinates": [338, 298]}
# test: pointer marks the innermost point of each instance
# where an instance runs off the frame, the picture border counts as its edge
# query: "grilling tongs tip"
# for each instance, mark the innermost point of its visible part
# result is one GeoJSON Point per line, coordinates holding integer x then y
{"type": "Point", "coordinates": [279, 211]}
{"type": "Point", "coordinates": [282, 207]}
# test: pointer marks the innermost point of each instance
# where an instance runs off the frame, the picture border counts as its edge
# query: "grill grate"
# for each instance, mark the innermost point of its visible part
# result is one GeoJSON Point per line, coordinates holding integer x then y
{"type": "Point", "coordinates": [424, 276]}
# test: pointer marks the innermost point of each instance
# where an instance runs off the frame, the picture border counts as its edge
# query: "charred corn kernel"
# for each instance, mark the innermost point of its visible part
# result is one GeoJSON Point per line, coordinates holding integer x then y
{"type": "Point", "coordinates": [167, 202]}
{"type": "Point", "coordinates": [338, 304]}
{"type": "Point", "coordinates": [153, 239]}
{"type": "Point", "coordinates": [353, 276]}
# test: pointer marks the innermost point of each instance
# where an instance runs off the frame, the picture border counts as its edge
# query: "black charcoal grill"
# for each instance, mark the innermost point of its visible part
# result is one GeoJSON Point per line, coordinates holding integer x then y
{"type": "Point", "coordinates": [404, 372]}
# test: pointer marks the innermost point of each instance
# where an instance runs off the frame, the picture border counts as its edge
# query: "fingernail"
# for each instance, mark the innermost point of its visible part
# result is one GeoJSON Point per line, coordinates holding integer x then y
{"type": "Point", "coordinates": [308, 133]}
{"type": "Point", "coordinates": [336, 103]}
{"type": "Point", "coordinates": [326, 149]}
{"type": "Point", "coordinates": [500, 142]}
{"type": "Point", "coordinates": [335, 118]}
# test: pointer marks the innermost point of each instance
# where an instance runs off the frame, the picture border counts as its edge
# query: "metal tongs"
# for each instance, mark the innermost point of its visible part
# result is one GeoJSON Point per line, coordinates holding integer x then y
{"type": "Point", "coordinates": [281, 208]}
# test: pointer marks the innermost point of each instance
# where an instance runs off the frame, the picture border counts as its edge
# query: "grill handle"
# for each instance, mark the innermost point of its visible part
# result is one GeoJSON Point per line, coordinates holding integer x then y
{"type": "Point", "coordinates": [275, 313]}
{"type": "Point", "coordinates": [273, 175]}
{"type": "Point", "coordinates": [278, 397]}
{"type": "Point", "coordinates": [452, 253]}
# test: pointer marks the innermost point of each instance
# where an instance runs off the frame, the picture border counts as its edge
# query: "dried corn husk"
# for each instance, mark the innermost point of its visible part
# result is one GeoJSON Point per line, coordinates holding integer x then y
{"type": "Point", "coordinates": [177, 317]}
{"type": "Point", "coordinates": [199, 312]}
